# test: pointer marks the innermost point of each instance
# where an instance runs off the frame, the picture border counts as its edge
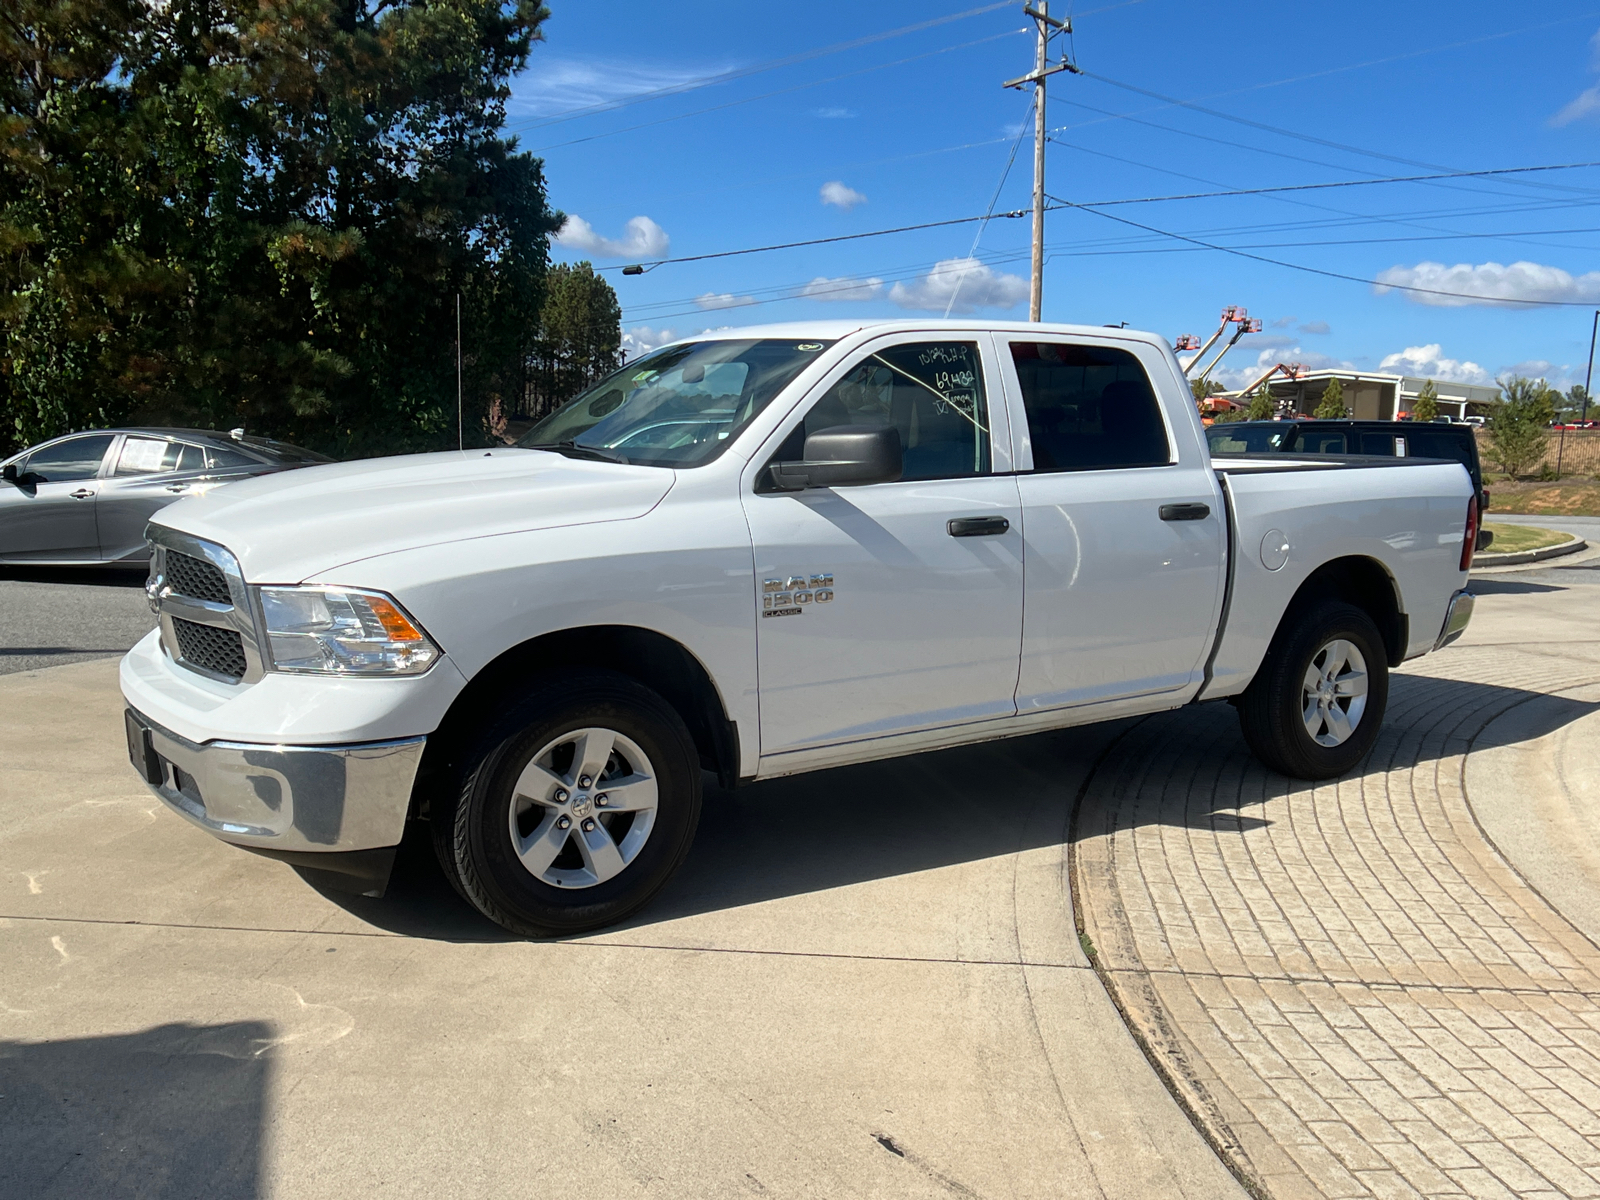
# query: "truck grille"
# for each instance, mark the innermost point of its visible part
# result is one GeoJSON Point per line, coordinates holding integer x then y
{"type": "Point", "coordinates": [190, 576]}
{"type": "Point", "coordinates": [220, 651]}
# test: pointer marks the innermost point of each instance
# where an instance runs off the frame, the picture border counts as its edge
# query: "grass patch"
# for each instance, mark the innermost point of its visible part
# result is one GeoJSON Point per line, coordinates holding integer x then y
{"type": "Point", "coordinates": [1513, 539]}
{"type": "Point", "coordinates": [1570, 498]}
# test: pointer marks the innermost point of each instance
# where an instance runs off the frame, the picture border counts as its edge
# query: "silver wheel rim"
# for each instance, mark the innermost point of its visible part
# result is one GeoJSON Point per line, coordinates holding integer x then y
{"type": "Point", "coordinates": [583, 808]}
{"type": "Point", "coordinates": [1334, 693]}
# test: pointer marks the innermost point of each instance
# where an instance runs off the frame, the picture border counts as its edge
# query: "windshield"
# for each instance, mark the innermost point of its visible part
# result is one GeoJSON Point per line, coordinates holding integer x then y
{"type": "Point", "coordinates": [676, 407]}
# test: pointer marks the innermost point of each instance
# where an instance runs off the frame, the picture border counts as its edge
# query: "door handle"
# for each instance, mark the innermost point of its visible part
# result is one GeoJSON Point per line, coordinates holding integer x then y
{"type": "Point", "coordinates": [1185, 512]}
{"type": "Point", "coordinates": [81, 494]}
{"type": "Point", "coordinates": [176, 487]}
{"type": "Point", "coordinates": [977, 526]}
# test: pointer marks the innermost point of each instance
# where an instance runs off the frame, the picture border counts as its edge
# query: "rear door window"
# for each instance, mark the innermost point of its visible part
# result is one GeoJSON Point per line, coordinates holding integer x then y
{"type": "Point", "coordinates": [157, 456]}
{"type": "Point", "coordinates": [1381, 443]}
{"type": "Point", "coordinates": [1089, 408]}
{"type": "Point", "coordinates": [1321, 443]}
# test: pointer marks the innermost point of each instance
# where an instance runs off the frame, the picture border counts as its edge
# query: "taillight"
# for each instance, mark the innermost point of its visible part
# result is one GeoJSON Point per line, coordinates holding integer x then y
{"type": "Point", "coordinates": [1469, 542]}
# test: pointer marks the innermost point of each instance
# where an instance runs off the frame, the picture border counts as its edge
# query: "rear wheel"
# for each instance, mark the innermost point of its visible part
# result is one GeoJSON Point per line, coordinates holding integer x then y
{"type": "Point", "coordinates": [1314, 709]}
{"type": "Point", "coordinates": [576, 809]}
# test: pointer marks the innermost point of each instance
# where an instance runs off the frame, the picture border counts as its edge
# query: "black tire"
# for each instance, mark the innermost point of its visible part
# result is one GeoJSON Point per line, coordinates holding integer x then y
{"type": "Point", "coordinates": [1271, 710]}
{"type": "Point", "coordinates": [473, 837]}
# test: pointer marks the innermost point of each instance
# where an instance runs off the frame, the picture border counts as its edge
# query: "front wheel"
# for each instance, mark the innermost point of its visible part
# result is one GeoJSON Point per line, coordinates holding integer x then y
{"type": "Point", "coordinates": [1314, 709]}
{"type": "Point", "coordinates": [581, 803]}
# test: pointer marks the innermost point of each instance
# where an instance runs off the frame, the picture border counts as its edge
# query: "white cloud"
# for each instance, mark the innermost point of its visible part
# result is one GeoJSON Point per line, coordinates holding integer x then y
{"type": "Point", "coordinates": [1587, 102]}
{"type": "Point", "coordinates": [1316, 327]}
{"type": "Point", "coordinates": [960, 285]}
{"type": "Point", "coordinates": [641, 339]}
{"type": "Point", "coordinates": [723, 300]}
{"type": "Point", "coordinates": [833, 114]}
{"type": "Point", "coordinates": [837, 194]}
{"type": "Point", "coordinates": [561, 84]}
{"type": "Point", "coordinates": [1430, 363]}
{"type": "Point", "coordinates": [1561, 376]}
{"type": "Point", "coordinates": [845, 287]}
{"type": "Point", "coordinates": [1234, 378]}
{"type": "Point", "coordinates": [1491, 283]}
{"type": "Point", "coordinates": [643, 239]}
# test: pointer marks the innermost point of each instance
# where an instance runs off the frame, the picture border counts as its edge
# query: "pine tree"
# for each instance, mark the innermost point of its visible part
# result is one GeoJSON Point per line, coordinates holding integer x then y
{"type": "Point", "coordinates": [1332, 406]}
{"type": "Point", "coordinates": [1426, 406]}
{"type": "Point", "coordinates": [1262, 406]}
{"type": "Point", "coordinates": [580, 335]}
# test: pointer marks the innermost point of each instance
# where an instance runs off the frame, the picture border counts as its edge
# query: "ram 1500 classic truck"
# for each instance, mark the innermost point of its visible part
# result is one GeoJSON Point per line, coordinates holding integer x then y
{"type": "Point", "coordinates": [753, 553]}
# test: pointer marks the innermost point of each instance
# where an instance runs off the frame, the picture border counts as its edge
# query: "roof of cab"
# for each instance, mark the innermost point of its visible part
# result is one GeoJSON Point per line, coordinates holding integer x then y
{"type": "Point", "coordinates": [833, 330]}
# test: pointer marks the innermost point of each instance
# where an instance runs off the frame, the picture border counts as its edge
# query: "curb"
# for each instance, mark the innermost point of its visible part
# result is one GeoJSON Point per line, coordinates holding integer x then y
{"type": "Point", "coordinates": [1528, 556]}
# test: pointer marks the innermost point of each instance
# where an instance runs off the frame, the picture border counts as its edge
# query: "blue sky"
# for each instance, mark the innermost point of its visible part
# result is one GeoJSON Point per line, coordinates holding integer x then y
{"type": "Point", "coordinates": [915, 127]}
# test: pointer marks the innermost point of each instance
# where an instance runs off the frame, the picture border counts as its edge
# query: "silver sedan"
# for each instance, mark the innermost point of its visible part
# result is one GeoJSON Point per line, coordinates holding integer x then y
{"type": "Point", "coordinates": [85, 498]}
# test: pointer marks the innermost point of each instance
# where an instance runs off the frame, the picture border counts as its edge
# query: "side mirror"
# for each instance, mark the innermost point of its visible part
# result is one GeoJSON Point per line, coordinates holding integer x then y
{"type": "Point", "coordinates": [843, 456]}
{"type": "Point", "coordinates": [8, 473]}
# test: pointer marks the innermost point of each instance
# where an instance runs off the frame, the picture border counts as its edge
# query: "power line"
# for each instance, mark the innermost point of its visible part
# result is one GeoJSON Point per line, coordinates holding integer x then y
{"type": "Point", "coordinates": [1276, 262]}
{"type": "Point", "coordinates": [1340, 183]}
{"type": "Point", "coordinates": [1092, 206]}
{"type": "Point", "coordinates": [652, 264]}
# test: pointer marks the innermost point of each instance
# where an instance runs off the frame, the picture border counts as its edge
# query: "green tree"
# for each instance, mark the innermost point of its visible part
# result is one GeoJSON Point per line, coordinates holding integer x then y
{"type": "Point", "coordinates": [1426, 406]}
{"type": "Point", "coordinates": [1517, 434]}
{"type": "Point", "coordinates": [1331, 407]}
{"type": "Point", "coordinates": [1578, 402]}
{"type": "Point", "coordinates": [236, 212]}
{"type": "Point", "coordinates": [1262, 405]}
{"type": "Point", "coordinates": [579, 336]}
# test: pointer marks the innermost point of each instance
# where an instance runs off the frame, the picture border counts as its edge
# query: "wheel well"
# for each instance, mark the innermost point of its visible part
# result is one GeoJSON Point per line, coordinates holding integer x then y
{"type": "Point", "coordinates": [654, 660]}
{"type": "Point", "coordinates": [1365, 583]}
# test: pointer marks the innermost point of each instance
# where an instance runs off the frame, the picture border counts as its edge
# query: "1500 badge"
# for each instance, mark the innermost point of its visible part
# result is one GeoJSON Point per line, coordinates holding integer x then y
{"type": "Point", "coordinates": [786, 597]}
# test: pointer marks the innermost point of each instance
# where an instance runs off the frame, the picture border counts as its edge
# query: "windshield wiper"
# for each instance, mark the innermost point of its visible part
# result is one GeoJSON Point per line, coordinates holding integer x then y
{"type": "Point", "coordinates": [573, 450]}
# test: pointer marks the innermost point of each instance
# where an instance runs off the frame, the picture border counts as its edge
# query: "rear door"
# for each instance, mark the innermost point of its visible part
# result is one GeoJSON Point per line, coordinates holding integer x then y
{"type": "Point", "coordinates": [51, 516]}
{"type": "Point", "coordinates": [892, 607]}
{"type": "Point", "coordinates": [1124, 540]}
{"type": "Point", "coordinates": [150, 473]}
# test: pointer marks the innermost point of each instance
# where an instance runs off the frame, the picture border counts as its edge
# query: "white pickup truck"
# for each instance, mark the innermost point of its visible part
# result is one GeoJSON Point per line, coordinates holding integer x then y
{"type": "Point", "coordinates": [754, 553]}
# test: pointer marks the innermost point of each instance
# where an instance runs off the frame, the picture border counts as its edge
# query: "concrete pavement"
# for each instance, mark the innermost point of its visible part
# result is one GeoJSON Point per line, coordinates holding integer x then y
{"type": "Point", "coordinates": [865, 983]}
{"type": "Point", "coordinates": [50, 617]}
{"type": "Point", "coordinates": [1357, 992]}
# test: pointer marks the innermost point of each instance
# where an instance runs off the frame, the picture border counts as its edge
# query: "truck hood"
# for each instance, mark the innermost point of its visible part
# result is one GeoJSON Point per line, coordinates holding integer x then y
{"type": "Point", "coordinates": [300, 524]}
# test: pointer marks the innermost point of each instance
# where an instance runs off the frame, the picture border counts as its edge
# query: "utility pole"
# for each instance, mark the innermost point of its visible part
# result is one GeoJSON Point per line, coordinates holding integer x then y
{"type": "Point", "coordinates": [1588, 375]}
{"type": "Point", "coordinates": [1048, 27]}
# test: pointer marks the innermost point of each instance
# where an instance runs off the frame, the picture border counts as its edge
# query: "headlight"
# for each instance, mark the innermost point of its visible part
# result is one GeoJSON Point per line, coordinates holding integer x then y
{"type": "Point", "coordinates": [342, 631]}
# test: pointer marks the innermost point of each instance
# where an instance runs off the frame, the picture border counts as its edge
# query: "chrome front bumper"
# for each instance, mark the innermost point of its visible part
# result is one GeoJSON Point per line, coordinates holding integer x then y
{"type": "Point", "coordinates": [1456, 618]}
{"type": "Point", "coordinates": [321, 799]}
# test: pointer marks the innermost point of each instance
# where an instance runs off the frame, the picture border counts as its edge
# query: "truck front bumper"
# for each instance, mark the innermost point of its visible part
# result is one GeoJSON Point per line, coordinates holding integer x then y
{"type": "Point", "coordinates": [1456, 618]}
{"type": "Point", "coordinates": [338, 808]}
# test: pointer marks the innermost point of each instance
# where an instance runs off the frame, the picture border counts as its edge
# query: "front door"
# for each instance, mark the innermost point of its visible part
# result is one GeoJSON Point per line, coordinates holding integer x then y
{"type": "Point", "coordinates": [1125, 543]}
{"type": "Point", "coordinates": [892, 607]}
{"type": "Point", "coordinates": [48, 515]}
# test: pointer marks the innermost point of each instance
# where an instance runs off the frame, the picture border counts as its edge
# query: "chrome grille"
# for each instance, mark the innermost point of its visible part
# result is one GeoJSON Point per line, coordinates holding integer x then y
{"type": "Point", "coordinates": [190, 576]}
{"type": "Point", "coordinates": [220, 651]}
{"type": "Point", "coordinates": [203, 603]}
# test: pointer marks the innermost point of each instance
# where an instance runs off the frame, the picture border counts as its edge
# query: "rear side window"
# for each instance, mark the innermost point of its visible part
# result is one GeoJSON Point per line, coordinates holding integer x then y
{"type": "Point", "coordinates": [221, 459]}
{"type": "Point", "coordinates": [1426, 443]}
{"type": "Point", "coordinates": [1089, 408]}
{"type": "Point", "coordinates": [1321, 443]}
{"type": "Point", "coordinates": [1380, 443]}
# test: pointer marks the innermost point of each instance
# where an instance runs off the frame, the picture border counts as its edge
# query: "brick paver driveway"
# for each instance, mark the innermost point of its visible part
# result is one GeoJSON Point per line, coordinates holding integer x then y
{"type": "Point", "coordinates": [1351, 989]}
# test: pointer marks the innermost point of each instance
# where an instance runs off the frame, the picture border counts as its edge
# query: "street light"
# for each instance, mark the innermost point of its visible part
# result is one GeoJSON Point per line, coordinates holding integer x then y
{"type": "Point", "coordinates": [1587, 375]}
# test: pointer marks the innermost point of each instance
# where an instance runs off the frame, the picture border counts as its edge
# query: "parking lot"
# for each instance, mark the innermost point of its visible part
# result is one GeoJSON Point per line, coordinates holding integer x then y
{"type": "Point", "coordinates": [874, 981]}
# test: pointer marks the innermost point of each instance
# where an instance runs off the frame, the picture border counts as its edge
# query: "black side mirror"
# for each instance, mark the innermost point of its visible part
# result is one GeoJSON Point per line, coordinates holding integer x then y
{"type": "Point", "coordinates": [843, 456]}
{"type": "Point", "coordinates": [8, 473]}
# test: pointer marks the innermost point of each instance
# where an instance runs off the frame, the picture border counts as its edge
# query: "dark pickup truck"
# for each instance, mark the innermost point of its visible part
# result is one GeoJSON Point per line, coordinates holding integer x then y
{"type": "Point", "coordinates": [1388, 439]}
